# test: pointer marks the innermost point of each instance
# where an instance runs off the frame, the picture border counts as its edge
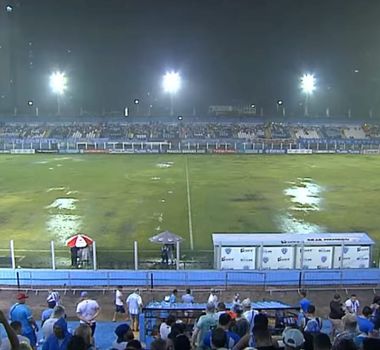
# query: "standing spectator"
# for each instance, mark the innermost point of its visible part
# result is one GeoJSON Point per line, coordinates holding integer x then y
{"type": "Point", "coordinates": [87, 311]}
{"type": "Point", "coordinates": [6, 343]}
{"type": "Point", "coordinates": [124, 335]}
{"type": "Point", "coordinates": [292, 339]}
{"type": "Point", "coordinates": [188, 297]}
{"type": "Point", "coordinates": [166, 327]}
{"type": "Point", "coordinates": [135, 304]}
{"type": "Point", "coordinates": [312, 324]}
{"type": "Point", "coordinates": [11, 334]}
{"type": "Point", "coordinates": [304, 302]}
{"type": "Point", "coordinates": [22, 313]}
{"type": "Point", "coordinates": [321, 342]}
{"type": "Point", "coordinates": [173, 296]}
{"type": "Point", "coordinates": [158, 344]}
{"type": "Point", "coordinates": [84, 331]}
{"type": "Point", "coordinates": [249, 313]}
{"type": "Point", "coordinates": [213, 297]}
{"type": "Point", "coordinates": [165, 255]}
{"type": "Point", "coordinates": [376, 311]}
{"type": "Point", "coordinates": [119, 303]}
{"type": "Point", "coordinates": [47, 328]}
{"type": "Point", "coordinates": [181, 342]}
{"type": "Point", "coordinates": [74, 256]}
{"type": "Point", "coordinates": [53, 298]}
{"type": "Point", "coordinates": [236, 299]}
{"type": "Point", "coordinates": [364, 321]}
{"type": "Point", "coordinates": [219, 339]}
{"type": "Point", "coordinates": [336, 314]}
{"type": "Point", "coordinates": [46, 313]}
{"type": "Point", "coordinates": [241, 326]}
{"type": "Point", "coordinates": [352, 305]}
{"type": "Point", "coordinates": [60, 338]}
{"type": "Point", "coordinates": [220, 309]}
{"type": "Point", "coordinates": [76, 343]}
{"type": "Point", "coordinates": [350, 333]}
{"type": "Point", "coordinates": [204, 324]}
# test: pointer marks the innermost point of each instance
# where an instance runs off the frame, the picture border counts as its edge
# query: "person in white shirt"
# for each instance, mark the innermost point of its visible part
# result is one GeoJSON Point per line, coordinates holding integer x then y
{"type": "Point", "coordinates": [135, 304]}
{"type": "Point", "coordinates": [87, 311]}
{"type": "Point", "coordinates": [53, 298]}
{"type": "Point", "coordinates": [213, 298]}
{"type": "Point", "coordinates": [166, 327]}
{"type": "Point", "coordinates": [248, 313]}
{"type": "Point", "coordinates": [119, 303]}
{"type": "Point", "coordinates": [352, 305]}
{"type": "Point", "coordinates": [47, 328]}
{"type": "Point", "coordinates": [17, 327]}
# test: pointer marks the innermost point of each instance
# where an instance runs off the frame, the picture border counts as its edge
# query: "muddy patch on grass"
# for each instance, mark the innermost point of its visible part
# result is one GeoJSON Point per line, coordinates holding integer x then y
{"type": "Point", "coordinates": [249, 197]}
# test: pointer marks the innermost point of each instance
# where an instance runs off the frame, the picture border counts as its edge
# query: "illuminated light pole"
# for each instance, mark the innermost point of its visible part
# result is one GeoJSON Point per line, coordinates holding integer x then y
{"type": "Point", "coordinates": [58, 84]}
{"type": "Point", "coordinates": [308, 82]}
{"type": "Point", "coordinates": [171, 84]}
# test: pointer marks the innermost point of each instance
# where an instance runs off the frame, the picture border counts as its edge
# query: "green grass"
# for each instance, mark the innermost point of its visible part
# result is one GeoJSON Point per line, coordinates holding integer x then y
{"type": "Point", "coordinates": [119, 200]}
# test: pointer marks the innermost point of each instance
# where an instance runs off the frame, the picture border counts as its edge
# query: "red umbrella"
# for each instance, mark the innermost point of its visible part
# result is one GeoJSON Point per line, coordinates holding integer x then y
{"type": "Point", "coordinates": [80, 240]}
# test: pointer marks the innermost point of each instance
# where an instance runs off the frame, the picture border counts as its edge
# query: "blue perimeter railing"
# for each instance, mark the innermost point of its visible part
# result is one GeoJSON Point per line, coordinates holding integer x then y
{"type": "Point", "coordinates": [33, 278]}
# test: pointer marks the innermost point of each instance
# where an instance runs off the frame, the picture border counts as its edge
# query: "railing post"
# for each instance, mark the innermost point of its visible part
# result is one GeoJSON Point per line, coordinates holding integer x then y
{"type": "Point", "coordinates": [135, 252]}
{"type": "Point", "coordinates": [177, 256]}
{"type": "Point", "coordinates": [94, 262]}
{"type": "Point", "coordinates": [13, 259]}
{"type": "Point", "coordinates": [52, 255]}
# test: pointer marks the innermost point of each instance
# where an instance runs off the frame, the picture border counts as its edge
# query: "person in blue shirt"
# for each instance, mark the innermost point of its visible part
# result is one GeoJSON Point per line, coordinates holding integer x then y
{"type": "Point", "coordinates": [188, 298]}
{"type": "Point", "coordinates": [224, 323]}
{"type": "Point", "coordinates": [304, 302]}
{"type": "Point", "coordinates": [173, 296]}
{"type": "Point", "coordinates": [60, 338]}
{"type": "Point", "coordinates": [364, 323]}
{"type": "Point", "coordinates": [22, 313]}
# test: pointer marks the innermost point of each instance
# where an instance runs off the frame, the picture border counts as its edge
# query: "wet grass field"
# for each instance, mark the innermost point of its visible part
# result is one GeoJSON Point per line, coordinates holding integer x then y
{"type": "Point", "coordinates": [117, 199]}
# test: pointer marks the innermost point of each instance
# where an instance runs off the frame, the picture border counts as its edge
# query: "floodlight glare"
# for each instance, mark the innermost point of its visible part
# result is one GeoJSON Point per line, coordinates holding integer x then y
{"type": "Point", "coordinates": [58, 82]}
{"type": "Point", "coordinates": [171, 82]}
{"type": "Point", "coordinates": [280, 102]}
{"type": "Point", "coordinates": [308, 83]}
{"type": "Point", "coordinates": [136, 101]}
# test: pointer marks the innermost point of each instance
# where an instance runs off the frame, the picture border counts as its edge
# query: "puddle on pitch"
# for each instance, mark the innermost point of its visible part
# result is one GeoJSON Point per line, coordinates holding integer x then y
{"type": "Point", "coordinates": [62, 222]}
{"type": "Point", "coordinates": [306, 197]}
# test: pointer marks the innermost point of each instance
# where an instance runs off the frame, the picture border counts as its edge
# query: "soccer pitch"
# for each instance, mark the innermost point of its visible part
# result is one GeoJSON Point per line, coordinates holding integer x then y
{"type": "Point", "coordinates": [117, 199]}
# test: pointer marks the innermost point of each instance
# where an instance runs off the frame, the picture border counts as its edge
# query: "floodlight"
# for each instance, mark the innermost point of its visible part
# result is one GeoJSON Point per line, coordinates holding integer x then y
{"type": "Point", "coordinates": [253, 105]}
{"type": "Point", "coordinates": [171, 82]}
{"type": "Point", "coordinates": [280, 102]}
{"type": "Point", "coordinates": [308, 83]}
{"type": "Point", "coordinates": [58, 82]}
{"type": "Point", "coordinates": [9, 8]}
{"type": "Point", "coordinates": [30, 103]}
{"type": "Point", "coordinates": [136, 101]}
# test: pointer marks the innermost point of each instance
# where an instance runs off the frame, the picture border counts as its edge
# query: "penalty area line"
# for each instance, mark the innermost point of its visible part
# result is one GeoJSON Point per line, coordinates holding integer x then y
{"type": "Point", "coordinates": [189, 206]}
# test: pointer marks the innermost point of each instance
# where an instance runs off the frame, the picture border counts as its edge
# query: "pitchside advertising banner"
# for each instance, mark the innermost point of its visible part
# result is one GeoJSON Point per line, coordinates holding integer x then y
{"type": "Point", "coordinates": [238, 258]}
{"type": "Point", "coordinates": [353, 257]}
{"type": "Point", "coordinates": [314, 257]}
{"type": "Point", "coordinates": [277, 258]}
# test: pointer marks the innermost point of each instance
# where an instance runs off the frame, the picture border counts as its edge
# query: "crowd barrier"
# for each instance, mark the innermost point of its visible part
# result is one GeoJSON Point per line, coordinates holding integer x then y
{"type": "Point", "coordinates": [72, 279]}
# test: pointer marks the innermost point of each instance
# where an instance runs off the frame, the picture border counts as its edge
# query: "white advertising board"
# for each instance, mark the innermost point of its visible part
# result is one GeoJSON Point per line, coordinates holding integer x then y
{"type": "Point", "coordinates": [238, 258]}
{"type": "Point", "coordinates": [353, 257]}
{"type": "Point", "coordinates": [277, 258]}
{"type": "Point", "coordinates": [315, 257]}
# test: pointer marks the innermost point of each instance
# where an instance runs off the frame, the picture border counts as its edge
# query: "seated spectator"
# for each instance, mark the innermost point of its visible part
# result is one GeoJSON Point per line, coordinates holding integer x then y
{"type": "Point", "coordinates": [364, 321]}
{"type": "Point", "coordinates": [11, 334]}
{"type": "Point", "coordinates": [188, 298]}
{"type": "Point", "coordinates": [17, 327]}
{"type": "Point", "coordinates": [224, 323]}
{"type": "Point", "coordinates": [292, 339]}
{"type": "Point", "coordinates": [84, 331]}
{"type": "Point", "coordinates": [321, 342]}
{"type": "Point", "coordinates": [60, 338]}
{"type": "Point", "coordinates": [47, 328]}
{"type": "Point", "coordinates": [124, 335]}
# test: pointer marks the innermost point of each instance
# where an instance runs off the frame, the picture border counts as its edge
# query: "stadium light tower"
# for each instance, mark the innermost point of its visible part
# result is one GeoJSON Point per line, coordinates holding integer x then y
{"type": "Point", "coordinates": [58, 84]}
{"type": "Point", "coordinates": [308, 86]}
{"type": "Point", "coordinates": [171, 84]}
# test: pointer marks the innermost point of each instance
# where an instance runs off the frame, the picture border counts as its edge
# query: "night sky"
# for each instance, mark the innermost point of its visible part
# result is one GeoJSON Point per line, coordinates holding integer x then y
{"type": "Point", "coordinates": [227, 51]}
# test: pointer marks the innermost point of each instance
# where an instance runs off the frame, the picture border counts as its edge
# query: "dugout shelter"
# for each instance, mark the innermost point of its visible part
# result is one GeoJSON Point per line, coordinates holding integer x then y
{"type": "Point", "coordinates": [267, 251]}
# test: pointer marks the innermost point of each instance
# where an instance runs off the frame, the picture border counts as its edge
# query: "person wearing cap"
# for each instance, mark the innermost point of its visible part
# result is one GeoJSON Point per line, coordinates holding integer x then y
{"type": "Point", "coordinates": [87, 311]}
{"type": "Point", "coordinates": [292, 339]}
{"type": "Point", "coordinates": [22, 313]}
{"type": "Point", "coordinates": [124, 335]}
{"type": "Point", "coordinates": [134, 303]}
{"type": "Point", "coordinates": [204, 324]}
{"type": "Point", "coordinates": [60, 338]}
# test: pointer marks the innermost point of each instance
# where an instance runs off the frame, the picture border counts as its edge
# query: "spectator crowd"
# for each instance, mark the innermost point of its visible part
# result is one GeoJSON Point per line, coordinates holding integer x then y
{"type": "Point", "coordinates": [348, 326]}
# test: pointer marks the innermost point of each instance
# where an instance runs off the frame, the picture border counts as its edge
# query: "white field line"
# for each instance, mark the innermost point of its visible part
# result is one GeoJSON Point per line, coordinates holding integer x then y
{"type": "Point", "coordinates": [189, 207]}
